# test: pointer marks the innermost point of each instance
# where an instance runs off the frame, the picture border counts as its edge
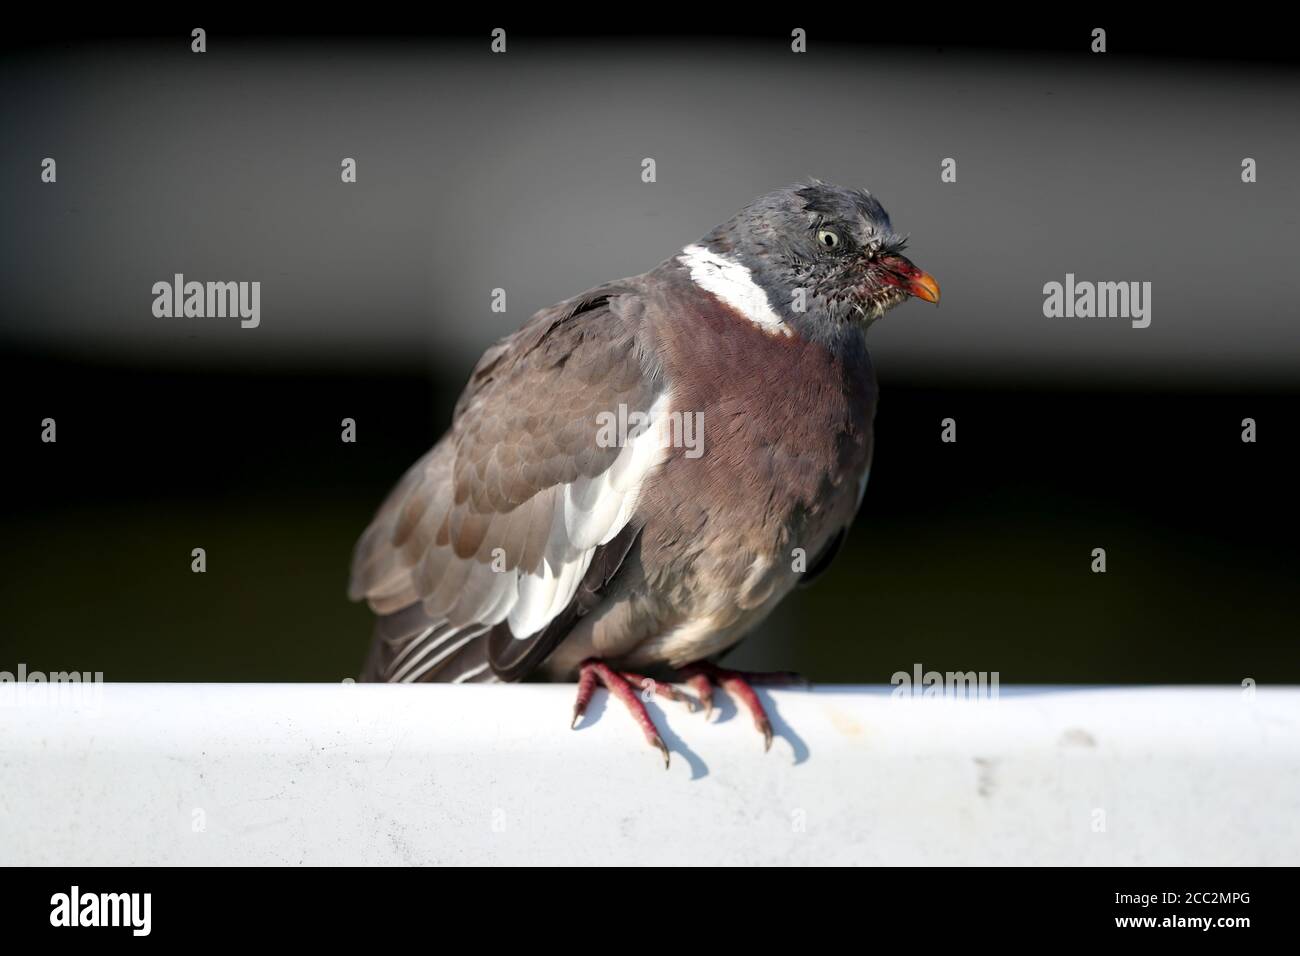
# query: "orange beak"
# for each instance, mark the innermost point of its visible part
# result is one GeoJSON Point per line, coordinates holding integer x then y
{"type": "Point", "coordinates": [922, 286]}
{"type": "Point", "coordinates": [901, 272]}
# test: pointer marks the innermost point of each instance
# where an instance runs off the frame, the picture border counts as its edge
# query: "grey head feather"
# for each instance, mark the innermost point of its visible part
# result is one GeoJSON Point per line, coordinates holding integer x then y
{"type": "Point", "coordinates": [781, 238]}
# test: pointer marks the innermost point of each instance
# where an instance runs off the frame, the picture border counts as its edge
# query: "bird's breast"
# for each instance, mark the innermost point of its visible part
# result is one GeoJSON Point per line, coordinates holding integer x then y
{"type": "Point", "coordinates": [766, 405]}
{"type": "Point", "coordinates": [781, 429]}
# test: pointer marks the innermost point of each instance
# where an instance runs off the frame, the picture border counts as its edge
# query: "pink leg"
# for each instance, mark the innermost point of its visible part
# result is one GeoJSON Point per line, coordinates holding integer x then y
{"type": "Point", "coordinates": [703, 675]}
{"type": "Point", "coordinates": [593, 671]}
{"type": "Point", "coordinates": [703, 688]}
{"type": "Point", "coordinates": [662, 688]}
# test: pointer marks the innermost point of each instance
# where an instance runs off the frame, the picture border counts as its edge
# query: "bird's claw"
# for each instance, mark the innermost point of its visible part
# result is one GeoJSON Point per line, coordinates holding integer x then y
{"type": "Point", "coordinates": [595, 671]}
{"type": "Point", "coordinates": [702, 677]}
{"type": "Point", "coordinates": [661, 688]}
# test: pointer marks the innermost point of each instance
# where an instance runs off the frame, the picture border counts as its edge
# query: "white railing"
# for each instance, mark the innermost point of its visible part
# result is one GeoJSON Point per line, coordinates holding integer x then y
{"type": "Point", "coordinates": [329, 774]}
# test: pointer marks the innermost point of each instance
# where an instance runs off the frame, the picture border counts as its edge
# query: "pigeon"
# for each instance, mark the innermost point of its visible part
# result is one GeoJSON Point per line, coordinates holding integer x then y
{"type": "Point", "coordinates": [634, 479]}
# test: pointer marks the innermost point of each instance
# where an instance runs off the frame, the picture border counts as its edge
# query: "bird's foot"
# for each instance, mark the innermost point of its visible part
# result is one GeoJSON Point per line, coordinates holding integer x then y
{"type": "Point", "coordinates": [662, 688]}
{"type": "Point", "coordinates": [621, 685]}
{"type": "Point", "coordinates": [703, 676]}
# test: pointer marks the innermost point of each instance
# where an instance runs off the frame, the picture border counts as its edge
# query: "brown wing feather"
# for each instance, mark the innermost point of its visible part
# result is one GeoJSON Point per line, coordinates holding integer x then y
{"type": "Point", "coordinates": [494, 490]}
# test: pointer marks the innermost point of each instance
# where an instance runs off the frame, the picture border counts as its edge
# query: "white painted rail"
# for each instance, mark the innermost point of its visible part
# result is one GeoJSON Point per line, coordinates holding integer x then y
{"type": "Point", "coordinates": [336, 774]}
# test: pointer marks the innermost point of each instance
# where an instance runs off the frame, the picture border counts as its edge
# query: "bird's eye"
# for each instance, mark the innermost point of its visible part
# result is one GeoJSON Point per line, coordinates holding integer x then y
{"type": "Point", "coordinates": [828, 238]}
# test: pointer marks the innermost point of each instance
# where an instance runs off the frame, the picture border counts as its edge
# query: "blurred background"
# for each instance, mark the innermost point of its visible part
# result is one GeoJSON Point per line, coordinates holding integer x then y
{"type": "Point", "coordinates": [523, 172]}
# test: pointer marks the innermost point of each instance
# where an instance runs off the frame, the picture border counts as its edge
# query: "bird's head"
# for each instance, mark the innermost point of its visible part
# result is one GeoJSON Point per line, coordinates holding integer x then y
{"type": "Point", "coordinates": [834, 244]}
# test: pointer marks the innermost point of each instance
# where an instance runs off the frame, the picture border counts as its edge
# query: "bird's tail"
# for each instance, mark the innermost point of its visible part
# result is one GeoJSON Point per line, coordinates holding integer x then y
{"type": "Point", "coordinates": [443, 654]}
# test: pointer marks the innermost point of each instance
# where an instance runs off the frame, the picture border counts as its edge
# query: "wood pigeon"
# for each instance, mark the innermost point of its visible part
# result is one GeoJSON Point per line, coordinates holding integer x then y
{"type": "Point", "coordinates": [568, 524]}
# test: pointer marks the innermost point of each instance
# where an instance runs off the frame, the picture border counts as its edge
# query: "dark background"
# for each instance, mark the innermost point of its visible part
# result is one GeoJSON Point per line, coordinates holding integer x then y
{"type": "Point", "coordinates": [523, 172]}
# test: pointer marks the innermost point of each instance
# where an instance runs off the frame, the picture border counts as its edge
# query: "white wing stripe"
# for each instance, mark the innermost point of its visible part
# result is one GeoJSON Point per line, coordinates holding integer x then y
{"type": "Point", "coordinates": [412, 644]}
{"type": "Point", "coordinates": [470, 674]}
{"type": "Point", "coordinates": [428, 647]}
{"type": "Point", "coordinates": [444, 655]}
{"type": "Point", "coordinates": [585, 514]}
{"type": "Point", "coordinates": [588, 513]}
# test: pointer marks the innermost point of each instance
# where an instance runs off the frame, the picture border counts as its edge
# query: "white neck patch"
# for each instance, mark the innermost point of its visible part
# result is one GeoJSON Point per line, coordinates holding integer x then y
{"type": "Point", "coordinates": [731, 282]}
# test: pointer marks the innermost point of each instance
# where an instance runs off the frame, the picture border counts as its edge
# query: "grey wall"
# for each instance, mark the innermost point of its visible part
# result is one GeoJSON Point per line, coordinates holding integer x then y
{"type": "Point", "coordinates": [522, 171]}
